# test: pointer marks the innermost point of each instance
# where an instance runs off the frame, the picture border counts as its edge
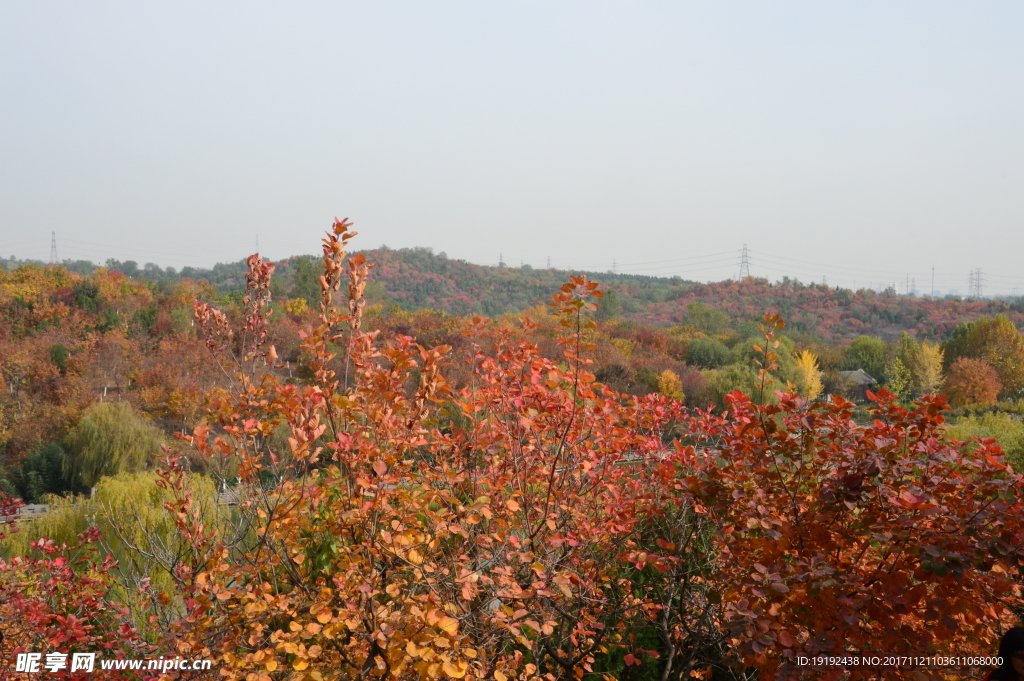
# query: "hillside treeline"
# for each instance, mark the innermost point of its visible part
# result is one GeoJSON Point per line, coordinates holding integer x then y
{"type": "Point", "coordinates": [417, 278]}
{"type": "Point", "coordinates": [70, 341]}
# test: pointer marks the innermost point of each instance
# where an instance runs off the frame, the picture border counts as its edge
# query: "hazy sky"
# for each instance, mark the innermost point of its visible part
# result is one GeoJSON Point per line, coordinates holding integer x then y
{"type": "Point", "coordinates": [858, 141]}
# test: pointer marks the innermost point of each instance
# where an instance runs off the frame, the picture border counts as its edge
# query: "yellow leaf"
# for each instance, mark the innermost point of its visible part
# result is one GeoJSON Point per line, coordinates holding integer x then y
{"type": "Point", "coordinates": [324, 616]}
{"type": "Point", "coordinates": [415, 557]}
{"type": "Point", "coordinates": [271, 665]}
{"type": "Point", "coordinates": [299, 664]}
{"type": "Point", "coordinates": [453, 671]}
{"type": "Point", "coordinates": [448, 624]}
{"type": "Point", "coordinates": [512, 505]}
{"type": "Point", "coordinates": [498, 676]}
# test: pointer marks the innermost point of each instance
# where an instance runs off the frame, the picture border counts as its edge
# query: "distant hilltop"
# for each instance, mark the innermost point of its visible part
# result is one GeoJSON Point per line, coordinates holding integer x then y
{"type": "Point", "coordinates": [417, 278]}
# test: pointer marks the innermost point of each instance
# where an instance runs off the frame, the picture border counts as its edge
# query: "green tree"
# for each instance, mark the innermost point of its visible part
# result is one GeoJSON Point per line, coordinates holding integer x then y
{"type": "Point", "coordinates": [41, 472]}
{"type": "Point", "coordinates": [740, 376]}
{"type": "Point", "coordinates": [111, 438]}
{"type": "Point", "coordinates": [786, 372]}
{"type": "Point", "coordinates": [610, 307]}
{"type": "Point", "coordinates": [708, 319]}
{"type": "Point", "coordinates": [907, 350]}
{"type": "Point", "coordinates": [897, 377]}
{"type": "Point", "coordinates": [867, 353]}
{"type": "Point", "coordinates": [708, 353]}
{"type": "Point", "coordinates": [306, 284]}
{"type": "Point", "coordinates": [59, 356]}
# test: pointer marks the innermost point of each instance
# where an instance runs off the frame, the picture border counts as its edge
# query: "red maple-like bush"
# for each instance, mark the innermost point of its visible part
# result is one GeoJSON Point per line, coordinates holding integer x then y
{"type": "Point", "coordinates": [538, 525]}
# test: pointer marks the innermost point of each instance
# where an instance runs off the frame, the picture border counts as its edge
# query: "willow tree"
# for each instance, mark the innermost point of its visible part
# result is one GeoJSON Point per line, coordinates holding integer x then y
{"type": "Point", "coordinates": [111, 438]}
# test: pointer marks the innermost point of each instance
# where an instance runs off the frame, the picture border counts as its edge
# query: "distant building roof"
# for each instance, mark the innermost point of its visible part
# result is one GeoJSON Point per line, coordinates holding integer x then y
{"type": "Point", "coordinates": [860, 377]}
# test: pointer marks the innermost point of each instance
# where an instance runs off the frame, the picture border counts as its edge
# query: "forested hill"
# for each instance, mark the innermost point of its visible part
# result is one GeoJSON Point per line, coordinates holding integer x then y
{"type": "Point", "coordinates": [418, 278]}
{"type": "Point", "coordinates": [826, 314]}
{"type": "Point", "coordinates": [413, 278]}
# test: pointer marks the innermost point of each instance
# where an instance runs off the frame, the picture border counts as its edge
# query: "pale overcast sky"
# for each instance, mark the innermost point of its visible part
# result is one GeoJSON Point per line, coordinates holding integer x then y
{"type": "Point", "coordinates": [863, 141]}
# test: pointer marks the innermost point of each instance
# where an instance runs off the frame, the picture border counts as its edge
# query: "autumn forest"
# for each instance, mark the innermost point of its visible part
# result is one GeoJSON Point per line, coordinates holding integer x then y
{"type": "Point", "coordinates": [389, 464]}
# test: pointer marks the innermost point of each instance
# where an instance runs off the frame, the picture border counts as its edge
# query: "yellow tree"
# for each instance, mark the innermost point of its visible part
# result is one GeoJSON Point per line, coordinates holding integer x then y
{"type": "Point", "coordinates": [927, 369]}
{"type": "Point", "coordinates": [807, 365]}
{"type": "Point", "coordinates": [669, 385]}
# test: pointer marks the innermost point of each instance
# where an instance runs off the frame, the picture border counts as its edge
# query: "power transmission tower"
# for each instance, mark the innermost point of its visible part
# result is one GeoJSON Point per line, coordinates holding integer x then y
{"type": "Point", "coordinates": [549, 262]}
{"type": "Point", "coordinates": [975, 288]}
{"type": "Point", "coordinates": [744, 263]}
{"type": "Point", "coordinates": [615, 266]}
{"type": "Point", "coordinates": [53, 248]}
